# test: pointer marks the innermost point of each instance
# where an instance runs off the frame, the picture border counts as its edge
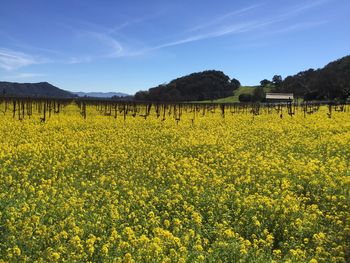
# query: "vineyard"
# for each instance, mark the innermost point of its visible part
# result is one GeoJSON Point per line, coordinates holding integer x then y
{"type": "Point", "coordinates": [106, 181]}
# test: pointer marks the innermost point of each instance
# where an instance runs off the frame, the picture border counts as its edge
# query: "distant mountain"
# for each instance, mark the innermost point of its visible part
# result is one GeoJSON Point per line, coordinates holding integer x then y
{"type": "Point", "coordinates": [100, 94]}
{"type": "Point", "coordinates": [206, 85]}
{"type": "Point", "coordinates": [34, 90]}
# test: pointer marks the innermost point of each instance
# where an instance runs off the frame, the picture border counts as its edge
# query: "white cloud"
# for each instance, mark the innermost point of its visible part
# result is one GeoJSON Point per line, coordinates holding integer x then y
{"type": "Point", "coordinates": [79, 60]}
{"type": "Point", "coordinates": [308, 5]}
{"type": "Point", "coordinates": [223, 30]}
{"type": "Point", "coordinates": [25, 75]}
{"type": "Point", "coordinates": [130, 23]}
{"type": "Point", "coordinates": [108, 47]}
{"type": "Point", "coordinates": [219, 26]}
{"type": "Point", "coordinates": [218, 20]}
{"type": "Point", "coordinates": [115, 47]}
{"type": "Point", "coordinates": [234, 22]}
{"type": "Point", "coordinates": [297, 27]}
{"type": "Point", "coordinates": [10, 60]}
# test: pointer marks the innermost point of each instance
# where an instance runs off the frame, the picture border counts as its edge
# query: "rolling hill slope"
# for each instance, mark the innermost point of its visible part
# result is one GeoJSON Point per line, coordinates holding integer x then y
{"type": "Point", "coordinates": [32, 90]}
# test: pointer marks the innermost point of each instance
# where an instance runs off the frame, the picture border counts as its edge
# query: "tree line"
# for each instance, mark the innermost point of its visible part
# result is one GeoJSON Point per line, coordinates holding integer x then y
{"type": "Point", "coordinates": [206, 85]}
{"type": "Point", "coordinates": [329, 83]}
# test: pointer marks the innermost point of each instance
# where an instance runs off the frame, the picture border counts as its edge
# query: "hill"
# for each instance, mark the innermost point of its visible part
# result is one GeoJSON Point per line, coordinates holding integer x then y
{"type": "Point", "coordinates": [328, 83]}
{"type": "Point", "coordinates": [206, 85]}
{"type": "Point", "coordinates": [331, 82]}
{"type": "Point", "coordinates": [100, 94]}
{"type": "Point", "coordinates": [234, 97]}
{"type": "Point", "coordinates": [35, 90]}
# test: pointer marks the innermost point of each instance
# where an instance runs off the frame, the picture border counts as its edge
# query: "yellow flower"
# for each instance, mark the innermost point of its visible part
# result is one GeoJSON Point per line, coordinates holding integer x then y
{"type": "Point", "coordinates": [127, 258]}
{"type": "Point", "coordinates": [156, 188]}
{"type": "Point", "coordinates": [198, 247]}
{"type": "Point", "coordinates": [55, 256]}
{"type": "Point", "coordinates": [16, 251]}
{"type": "Point", "coordinates": [201, 258]}
{"type": "Point", "coordinates": [166, 223]}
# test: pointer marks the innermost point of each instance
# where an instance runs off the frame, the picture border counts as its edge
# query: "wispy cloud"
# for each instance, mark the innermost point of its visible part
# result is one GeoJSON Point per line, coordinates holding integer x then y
{"type": "Point", "coordinates": [25, 46]}
{"type": "Point", "coordinates": [110, 30]}
{"type": "Point", "coordinates": [222, 18]}
{"type": "Point", "coordinates": [79, 60]}
{"type": "Point", "coordinates": [10, 60]}
{"type": "Point", "coordinates": [297, 27]}
{"type": "Point", "coordinates": [132, 22]}
{"type": "Point", "coordinates": [106, 38]}
{"type": "Point", "coordinates": [113, 45]}
{"type": "Point", "coordinates": [308, 5]}
{"type": "Point", "coordinates": [115, 48]}
{"type": "Point", "coordinates": [219, 26]}
{"type": "Point", "coordinates": [297, 10]}
{"type": "Point", "coordinates": [25, 76]}
{"type": "Point", "coordinates": [224, 30]}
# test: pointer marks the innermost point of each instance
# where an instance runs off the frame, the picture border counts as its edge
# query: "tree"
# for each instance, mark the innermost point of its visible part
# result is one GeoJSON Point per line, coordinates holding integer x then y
{"type": "Point", "coordinates": [258, 94]}
{"type": "Point", "coordinates": [331, 82]}
{"type": "Point", "coordinates": [245, 97]}
{"type": "Point", "coordinates": [277, 83]}
{"type": "Point", "coordinates": [206, 85]}
{"type": "Point", "coordinates": [265, 82]}
{"type": "Point", "coordinates": [277, 79]}
{"type": "Point", "coordinates": [142, 95]}
{"type": "Point", "coordinates": [235, 83]}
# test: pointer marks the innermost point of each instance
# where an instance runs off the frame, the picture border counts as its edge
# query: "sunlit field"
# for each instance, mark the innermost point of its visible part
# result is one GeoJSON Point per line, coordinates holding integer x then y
{"type": "Point", "coordinates": [205, 188]}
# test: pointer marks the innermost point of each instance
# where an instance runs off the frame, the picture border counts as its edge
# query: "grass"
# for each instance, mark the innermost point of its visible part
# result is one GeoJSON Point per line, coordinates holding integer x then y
{"type": "Point", "coordinates": [233, 98]}
{"type": "Point", "coordinates": [241, 90]}
{"type": "Point", "coordinates": [236, 93]}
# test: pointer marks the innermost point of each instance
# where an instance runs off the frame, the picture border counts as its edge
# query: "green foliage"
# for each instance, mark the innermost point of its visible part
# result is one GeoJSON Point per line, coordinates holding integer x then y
{"type": "Point", "coordinates": [235, 97]}
{"type": "Point", "coordinates": [265, 82]}
{"type": "Point", "coordinates": [246, 90]}
{"type": "Point", "coordinates": [259, 95]}
{"type": "Point", "coordinates": [329, 83]}
{"type": "Point", "coordinates": [244, 97]}
{"type": "Point", "coordinates": [241, 90]}
{"type": "Point", "coordinates": [206, 85]}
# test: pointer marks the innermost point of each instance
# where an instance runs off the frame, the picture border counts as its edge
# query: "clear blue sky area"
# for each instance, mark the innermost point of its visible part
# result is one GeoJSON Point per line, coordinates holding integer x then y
{"type": "Point", "coordinates": [126, 46]}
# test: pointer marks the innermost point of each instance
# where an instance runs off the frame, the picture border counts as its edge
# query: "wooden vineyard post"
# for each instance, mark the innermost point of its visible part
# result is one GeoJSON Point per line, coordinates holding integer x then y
{"type": "Point", "coordinates": [164, 110]}
{"type": "Point", "coordinates": [329, 110]}
{"type": "Point", "coordinates": [222, 106]}
{"type": "Point", "coordinates": [124, 110]}
{"type": "Point", "coordinates": [50, 108]}
{"type": "Point", "coordinates": [14, 108]}
{"type": "Point", "coordinates": [44, 118]}
{"type": "Point", "coordinates": [22, 105]}
{"type": "Point", "coordinates": [83, 110]}
{"type": "Point", "coordinates": [291, 109]}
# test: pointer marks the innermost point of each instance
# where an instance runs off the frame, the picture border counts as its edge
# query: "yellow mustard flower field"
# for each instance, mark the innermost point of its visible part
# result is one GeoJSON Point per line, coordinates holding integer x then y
{"type": "Point", "coordinates": [238, 188]}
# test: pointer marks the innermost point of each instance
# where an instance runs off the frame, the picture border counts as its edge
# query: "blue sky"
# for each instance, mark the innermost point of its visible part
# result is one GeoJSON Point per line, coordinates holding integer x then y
{"type": "Point", "coordinates": [126, 46]}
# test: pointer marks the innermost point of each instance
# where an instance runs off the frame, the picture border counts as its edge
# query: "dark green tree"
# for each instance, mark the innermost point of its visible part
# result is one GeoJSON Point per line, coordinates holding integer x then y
{"type": "Point", "coordinates": [265, 82]}
{"type": "Point", "coordinates": [235, 83]}
{"type": "Point", "coordinates": [259, 95]}
{"type": "Point", "coordinates": [206, 85]}
{"type": "Point", "coordinates": [329, 83]}
{"type": "Point", "coordinates": [245, 97]}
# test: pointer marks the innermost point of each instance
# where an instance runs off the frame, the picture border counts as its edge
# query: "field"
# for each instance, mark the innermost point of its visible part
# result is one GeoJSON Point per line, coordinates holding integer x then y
{"type": "Point", "coordinates": [238, 188]}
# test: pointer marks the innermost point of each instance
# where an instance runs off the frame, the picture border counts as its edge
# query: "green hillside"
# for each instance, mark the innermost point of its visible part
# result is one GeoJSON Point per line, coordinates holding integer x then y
{"type": "Point", "coordinates": [236, 93]}
{"type": "Point", "coordinates": [205, 85]}
{"type": "Point", "coordinates": [241, 90]}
